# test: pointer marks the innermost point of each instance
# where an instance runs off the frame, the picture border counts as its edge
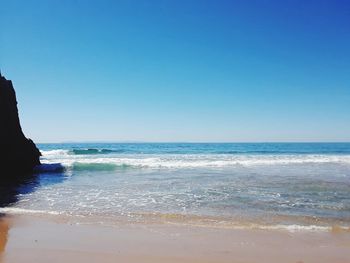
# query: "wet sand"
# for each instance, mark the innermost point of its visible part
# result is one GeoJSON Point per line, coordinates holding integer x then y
{"type": "Point", "coordinates": [34, 239]}
{"type": "Point", "coordinates": [4, 229]}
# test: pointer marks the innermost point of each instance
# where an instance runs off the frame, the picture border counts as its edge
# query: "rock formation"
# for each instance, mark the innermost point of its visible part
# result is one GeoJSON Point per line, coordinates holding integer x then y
{"type": "Point", "coordinates": [18, 155]}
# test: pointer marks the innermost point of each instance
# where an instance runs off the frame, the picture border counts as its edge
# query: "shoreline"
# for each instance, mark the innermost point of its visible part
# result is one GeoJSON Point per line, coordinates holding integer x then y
{"type": "Point", "coordinates": [278, 222]}
{"type": "Point", "coordinates": [26, 238]}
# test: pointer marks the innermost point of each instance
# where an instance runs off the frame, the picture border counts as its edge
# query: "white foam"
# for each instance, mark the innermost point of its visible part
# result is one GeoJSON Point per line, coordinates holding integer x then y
{"type": "Point", "coordinates": [52, 153]}
{"type": "Point", "coordinates": [15, 210]}
{"type": "Point", "coordinates": [296, 228]}
{"type": "Point", "coordinates": [192, 160]}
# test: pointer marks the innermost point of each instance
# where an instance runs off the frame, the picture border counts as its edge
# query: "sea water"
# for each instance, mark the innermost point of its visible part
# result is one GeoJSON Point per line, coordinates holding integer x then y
{"type": "Point", "coordinates": [300, 185]}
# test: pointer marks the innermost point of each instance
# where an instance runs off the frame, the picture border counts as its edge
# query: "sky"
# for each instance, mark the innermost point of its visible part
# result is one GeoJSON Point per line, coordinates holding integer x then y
{"type": "Point", "coordinates": [179, 71]}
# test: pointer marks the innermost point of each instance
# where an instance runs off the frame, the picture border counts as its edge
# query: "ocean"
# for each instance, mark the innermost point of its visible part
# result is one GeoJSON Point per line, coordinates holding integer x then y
{"type": "Point", "coordinates": [298, 186]}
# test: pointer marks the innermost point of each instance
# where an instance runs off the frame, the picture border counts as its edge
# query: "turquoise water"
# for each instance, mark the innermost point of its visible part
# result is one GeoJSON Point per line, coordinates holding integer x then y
{"type": "Point", "coordinates": [289, 184]}
{"type": "Point", "coordinates": [204, 148]}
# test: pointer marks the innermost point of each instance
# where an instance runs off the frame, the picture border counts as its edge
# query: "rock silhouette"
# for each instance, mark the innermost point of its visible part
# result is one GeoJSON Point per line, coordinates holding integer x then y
{"type": "Point", "coordinates": [18, 155]}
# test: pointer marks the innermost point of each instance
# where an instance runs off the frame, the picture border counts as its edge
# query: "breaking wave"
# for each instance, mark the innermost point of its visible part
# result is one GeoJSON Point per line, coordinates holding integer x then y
{"type": "Point", "coordinates": [89, 160]}
{"type": "Point", "coordinates": [89, 151]}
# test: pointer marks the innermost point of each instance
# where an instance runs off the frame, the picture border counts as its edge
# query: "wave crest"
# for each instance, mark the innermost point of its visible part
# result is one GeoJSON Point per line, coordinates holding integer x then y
{"type": "Point", "coordinates": [90, 151]}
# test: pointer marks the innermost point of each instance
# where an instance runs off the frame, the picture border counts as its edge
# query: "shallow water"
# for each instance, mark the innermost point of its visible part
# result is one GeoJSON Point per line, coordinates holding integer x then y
{"type": "Point", "coordinates": [272, 184]}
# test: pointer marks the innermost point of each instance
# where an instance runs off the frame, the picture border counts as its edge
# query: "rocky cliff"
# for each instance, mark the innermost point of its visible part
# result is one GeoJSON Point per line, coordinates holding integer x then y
{"type": "Point", "coordinates": [18, 155]}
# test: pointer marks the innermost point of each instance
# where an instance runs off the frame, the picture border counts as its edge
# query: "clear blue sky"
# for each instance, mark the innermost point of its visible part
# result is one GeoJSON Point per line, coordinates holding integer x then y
{"type": "Point", "coordinates": [179, 70]}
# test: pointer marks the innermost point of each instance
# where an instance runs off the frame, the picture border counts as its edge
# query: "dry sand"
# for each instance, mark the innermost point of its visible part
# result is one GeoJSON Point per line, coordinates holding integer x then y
{"type": "Point", "coordinates": [32, 239]}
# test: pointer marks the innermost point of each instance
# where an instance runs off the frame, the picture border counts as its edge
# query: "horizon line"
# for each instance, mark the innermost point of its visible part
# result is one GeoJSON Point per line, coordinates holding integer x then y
{"type": "Point", "coordinates": [192, 142]}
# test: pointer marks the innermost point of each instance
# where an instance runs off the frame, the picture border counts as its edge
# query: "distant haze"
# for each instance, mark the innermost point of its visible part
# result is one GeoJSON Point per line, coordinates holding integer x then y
{"type": "Point", "coordinates": [190, 71]}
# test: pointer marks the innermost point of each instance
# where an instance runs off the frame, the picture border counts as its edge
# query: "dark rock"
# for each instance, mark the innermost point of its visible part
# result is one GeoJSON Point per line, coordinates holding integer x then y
{"type": "Point", "coordinates": [18, 155]}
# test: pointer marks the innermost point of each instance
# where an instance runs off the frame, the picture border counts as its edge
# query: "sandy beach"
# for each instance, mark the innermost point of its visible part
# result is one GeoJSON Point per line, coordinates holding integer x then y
{"type": "Point", "coordinates": [36, 239]}
{"type": "Point", "coordinates": [174, 131]}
